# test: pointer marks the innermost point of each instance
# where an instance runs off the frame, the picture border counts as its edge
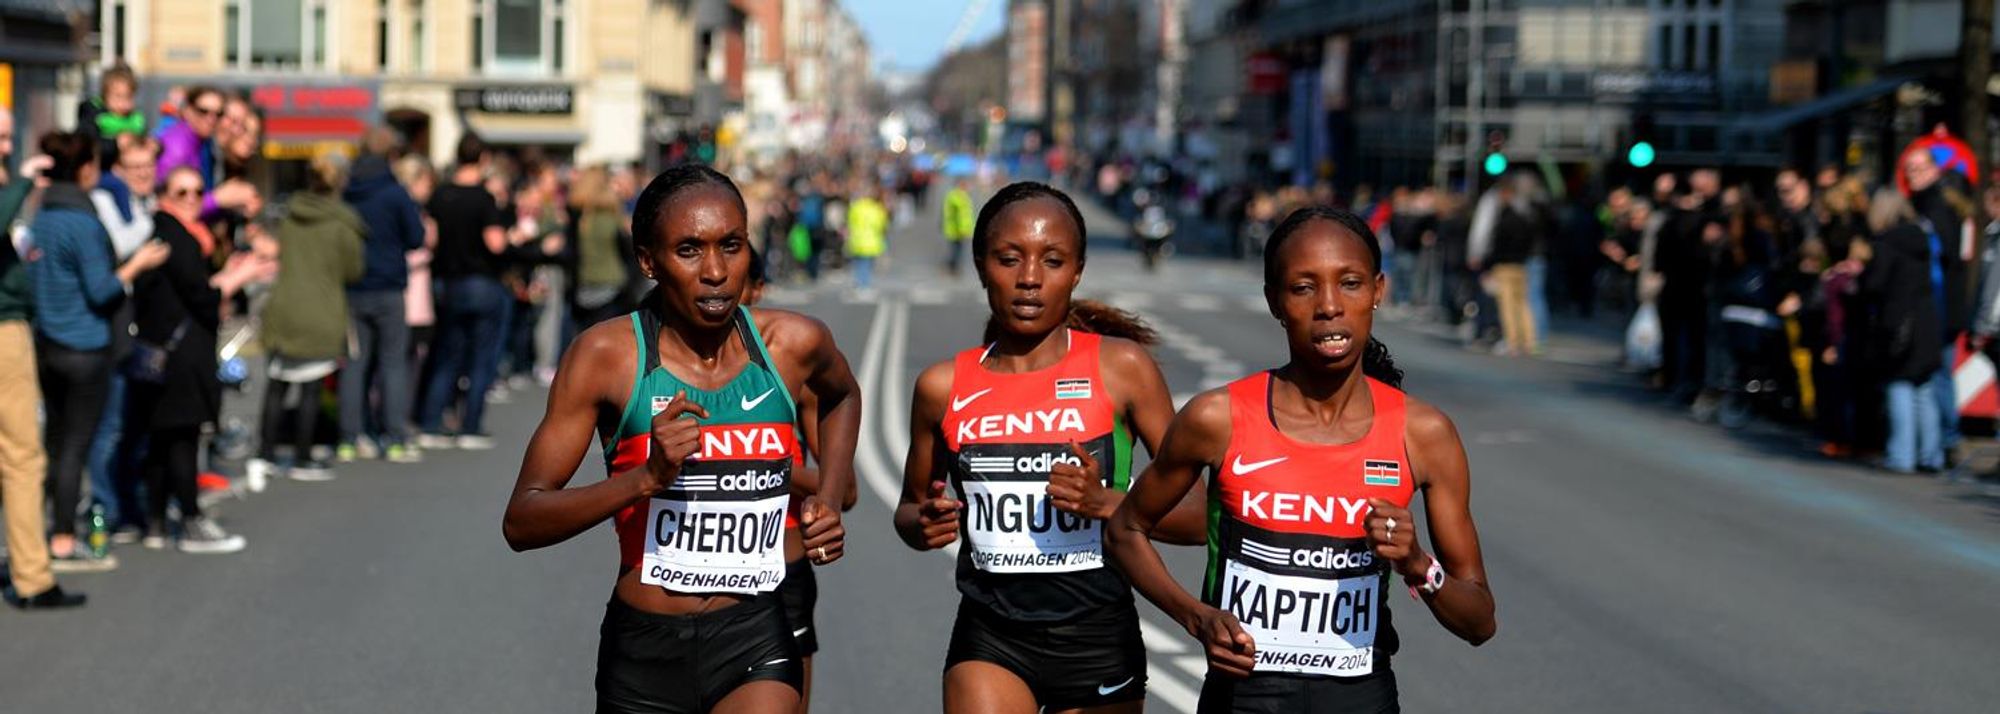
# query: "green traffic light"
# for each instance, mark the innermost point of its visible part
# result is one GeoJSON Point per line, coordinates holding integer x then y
{"type": "Point", "coordinates": [1496, 164]}
{"type": "Point", "coordinates": [1641, 155]}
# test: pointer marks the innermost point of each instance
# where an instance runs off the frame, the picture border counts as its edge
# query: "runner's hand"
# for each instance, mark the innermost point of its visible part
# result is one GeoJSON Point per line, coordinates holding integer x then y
{"type": "Point", "coordinates": [1080, 489]}
{"type": "Point", "coordinates": [1231, 651]}
{"type": "Point", "coordinates": [938, 517]}
{"type": "Point", "coordinates": [820, 526]}
{"type": "Point", "coordinates": [675, 439]}
{"type": "Point", "coordinates": [1400, 548]}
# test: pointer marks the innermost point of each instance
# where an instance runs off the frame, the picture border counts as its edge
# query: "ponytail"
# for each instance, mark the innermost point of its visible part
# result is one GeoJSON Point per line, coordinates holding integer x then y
{"type": "Point", "coordinates": [1378, 365]}
{"type": "Point", "coordinates": [1096, 318]}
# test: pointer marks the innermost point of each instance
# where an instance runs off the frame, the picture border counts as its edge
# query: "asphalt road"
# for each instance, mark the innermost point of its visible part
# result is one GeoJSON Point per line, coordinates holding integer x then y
{"type": "Point", "coordinates": [1641, 562]}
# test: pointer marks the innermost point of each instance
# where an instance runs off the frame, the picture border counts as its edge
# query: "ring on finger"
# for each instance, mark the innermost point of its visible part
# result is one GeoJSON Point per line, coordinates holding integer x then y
{"type": "Point", "coordinates": [1392, 527]}
{"type": "Point", "coordinates": [820, 553]}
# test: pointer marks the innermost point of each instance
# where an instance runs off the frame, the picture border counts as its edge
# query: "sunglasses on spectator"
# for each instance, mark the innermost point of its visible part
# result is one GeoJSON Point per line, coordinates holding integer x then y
{"type": "Point", "coordinates": [183, 192]}
{"type": "Point", "coordinates": [206, 111]}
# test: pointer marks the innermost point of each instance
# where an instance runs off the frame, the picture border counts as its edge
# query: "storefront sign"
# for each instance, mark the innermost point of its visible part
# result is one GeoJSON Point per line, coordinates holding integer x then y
{"type": "Point", "coordinates": [310, 113]}
{"type": "Point", "coordinates": [6, 86]}
{"type": "Point", "coordinates": [674, 105]}
{"type": "Point", "coordinates": [1267, 73]}
{"type": "Point", "coordinates": [1652, 85]}
{"type": "Point", "coordinates": [515, 99]}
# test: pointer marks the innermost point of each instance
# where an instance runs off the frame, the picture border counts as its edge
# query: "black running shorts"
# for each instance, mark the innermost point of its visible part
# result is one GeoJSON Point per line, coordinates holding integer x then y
{"type": "Point", "coordinates": [800, 593]}
{"type": "Point", "coordinates": [1093, 660]}
{"type": "Point", "coordinates": [686, 664]}
{"type": "Point", "coordinates": [1276, 693]}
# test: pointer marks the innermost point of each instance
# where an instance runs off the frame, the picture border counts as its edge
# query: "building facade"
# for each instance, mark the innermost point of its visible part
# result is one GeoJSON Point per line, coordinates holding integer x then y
{"type": "Point", "coordinates": [588, 81]}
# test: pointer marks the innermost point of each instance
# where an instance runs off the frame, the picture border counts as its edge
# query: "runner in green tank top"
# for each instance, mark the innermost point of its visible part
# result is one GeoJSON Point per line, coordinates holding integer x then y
{"type": "Point", "coordinates": [693, 399]}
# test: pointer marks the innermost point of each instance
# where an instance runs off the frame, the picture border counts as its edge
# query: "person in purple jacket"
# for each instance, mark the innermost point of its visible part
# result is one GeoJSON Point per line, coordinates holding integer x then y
{"type": "Point", "coordinates": [190, 142]}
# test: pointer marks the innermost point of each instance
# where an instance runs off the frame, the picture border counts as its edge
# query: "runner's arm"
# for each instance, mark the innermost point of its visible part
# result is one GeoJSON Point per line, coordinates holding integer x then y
{"type": "Point", "coordinates": [1465, 604]}
{"type": "Point", "coordinates": [1150, 412]}
{"type": "Point", "coordinates": [542, 512]}
{"type": "Point", "coordinates": [923, 476]}
{"type": "Point", "coordinates": [838, 417]}
{"type": "Point", "coordinates": [1194, 441]}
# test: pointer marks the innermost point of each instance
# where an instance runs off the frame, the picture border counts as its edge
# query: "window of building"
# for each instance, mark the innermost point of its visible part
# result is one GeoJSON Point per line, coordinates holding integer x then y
{"type": "Point", "coordinates": [419, 59]}
{"type": "Point", "coordinates": [113, 22]}
{"type": "Point", "coordinates": [1714, 49]}
{"type": "Point", "coordinates": [1687, 47]}
{"type": "Point", "coordinates": [277, 34]}
{"type": "Point", "coordinates": [520, 37]}
{"type": "Point", "coordinates": [382, 34]}
{"type": "Point", "coordinates": [1666, 48]}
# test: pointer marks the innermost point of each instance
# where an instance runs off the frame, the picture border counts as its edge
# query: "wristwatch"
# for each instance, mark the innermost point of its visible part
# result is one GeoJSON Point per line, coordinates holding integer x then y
{"type": "Point", "coordinates": [1433, 579]}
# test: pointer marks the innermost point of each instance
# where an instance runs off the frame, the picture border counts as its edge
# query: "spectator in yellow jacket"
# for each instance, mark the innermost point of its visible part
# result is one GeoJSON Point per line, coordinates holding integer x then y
{"type": "Point", "coordinates": [867, 235]}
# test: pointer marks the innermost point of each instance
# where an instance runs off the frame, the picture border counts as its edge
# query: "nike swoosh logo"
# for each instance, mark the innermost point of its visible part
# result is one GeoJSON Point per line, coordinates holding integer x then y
{"type": "Point", "coordinates": [749, 404]}
{"type": "Point", "coordinates": [801, 632]}
{"type": "Point", "coordinates": [957, 404]}
{"type": "Point", "coordinates": [1243, 469]}
{"type": "Point", "coordinates": [771, 663]}
{"type": "Point", "coordinates": [1103, 690]}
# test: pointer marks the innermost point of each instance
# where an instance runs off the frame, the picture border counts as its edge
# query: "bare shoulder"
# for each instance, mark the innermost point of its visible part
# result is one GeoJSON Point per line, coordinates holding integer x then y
{"type": "Point", "coordinates": [1205, 417]}
{"type": "Point", "coordinates": [1119, 354]}
{"type": "Point", "coordinates": [602, 360]}
{"type": "Point", "coordinates": [1426, 426]}
{"type": "Point", "coordinates": [791, 333]}
{"type": "Point", "coordinates": [934, 384]}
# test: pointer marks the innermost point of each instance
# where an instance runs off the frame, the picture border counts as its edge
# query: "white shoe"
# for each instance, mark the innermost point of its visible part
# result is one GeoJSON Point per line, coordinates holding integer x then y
{"type": "Point", "coordinates": [366, 449]}
{"type": "Point", "coordinates": [436, 441]}
{"type": "Point", "coordinates": [257, 474]}
{"type": "Point", "coordinates": [475, 442]}
{"type": "Point", "coordinates": [201, 535]}
{"type": "Point", "coordinates": [310, 472]}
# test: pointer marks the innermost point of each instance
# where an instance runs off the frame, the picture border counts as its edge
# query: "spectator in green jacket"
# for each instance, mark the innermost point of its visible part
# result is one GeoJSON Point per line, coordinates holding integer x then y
{"type": "Point", "coordinates": [320, 248]}
{"type": "Point", "coordinates": [958, 220]}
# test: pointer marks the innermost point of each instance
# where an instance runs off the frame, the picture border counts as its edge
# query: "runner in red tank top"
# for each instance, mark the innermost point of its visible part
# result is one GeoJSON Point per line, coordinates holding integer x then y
{"type": "Point", "coordinates": [1034, 430]}
{"type": "Point", "coordinates": [1313, 466]}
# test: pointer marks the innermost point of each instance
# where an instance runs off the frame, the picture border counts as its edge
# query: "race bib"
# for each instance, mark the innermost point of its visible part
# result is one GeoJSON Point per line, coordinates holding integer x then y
{"type": "Point", "coordinates": [715, 546]}
{"type": "Point", "coordinates": [1305, 624]}
{"type": "Point", "coordinates": [1013, 527]}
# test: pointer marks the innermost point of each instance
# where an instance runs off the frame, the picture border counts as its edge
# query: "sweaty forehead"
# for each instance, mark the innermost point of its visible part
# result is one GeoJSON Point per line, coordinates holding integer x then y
{"type": "Point", "coordinates": [1035, 222]}
{"type": "Point", "coordinates": [1322, 246]}
{"type": "Point", "coordinates": [703, 211]}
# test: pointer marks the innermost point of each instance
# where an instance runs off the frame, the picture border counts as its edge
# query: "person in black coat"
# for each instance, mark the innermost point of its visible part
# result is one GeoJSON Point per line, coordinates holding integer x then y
{"type": "Point", "coordinates": [1907, 341]}
{"type": "Point", "coordinates": [179, 309]}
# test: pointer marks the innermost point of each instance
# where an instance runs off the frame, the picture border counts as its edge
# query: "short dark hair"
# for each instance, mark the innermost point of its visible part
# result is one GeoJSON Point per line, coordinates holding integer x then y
{"type": "Point", "coordinates": [664, 187]}
{"type": "Point", "coordinates": [119, 73]}
{"type": "Point", "coordinates": [982, 229]}
{"type": "Point", "coordinates": [471, 149]}
{"type": "Point", "coordinates": [196, 92]}
{"type": "Point", "coordinates": [70, 152]}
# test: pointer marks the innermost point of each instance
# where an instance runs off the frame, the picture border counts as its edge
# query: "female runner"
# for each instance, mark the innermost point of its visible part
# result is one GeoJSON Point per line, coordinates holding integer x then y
{"type": "Point", "coordinates": [1312, 466]}
{"type": "Point", "coordinates": [693, 398]}
{"type": "Point", "coordinates": [1034, 429]}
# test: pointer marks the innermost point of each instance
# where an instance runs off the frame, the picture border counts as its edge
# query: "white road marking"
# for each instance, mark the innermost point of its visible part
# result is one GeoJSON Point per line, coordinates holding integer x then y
{"type": "Point", "coordinates": [895, 397]}
{"type": "Point", "coordinates": [868, 461]}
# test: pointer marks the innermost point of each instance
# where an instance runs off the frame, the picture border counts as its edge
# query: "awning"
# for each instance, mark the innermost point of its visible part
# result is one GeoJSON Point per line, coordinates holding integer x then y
{"type": "Point", "coordinates": [527, 130]}
{"type": "Point", "coordinates": [1784, 118]}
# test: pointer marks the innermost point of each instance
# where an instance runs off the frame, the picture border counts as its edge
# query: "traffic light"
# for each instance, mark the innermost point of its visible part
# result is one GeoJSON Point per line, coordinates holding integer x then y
{"type": "Point", "coordinates": [1641, 153]}
{"type": "Point", "coordinates": [1496, 155]}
